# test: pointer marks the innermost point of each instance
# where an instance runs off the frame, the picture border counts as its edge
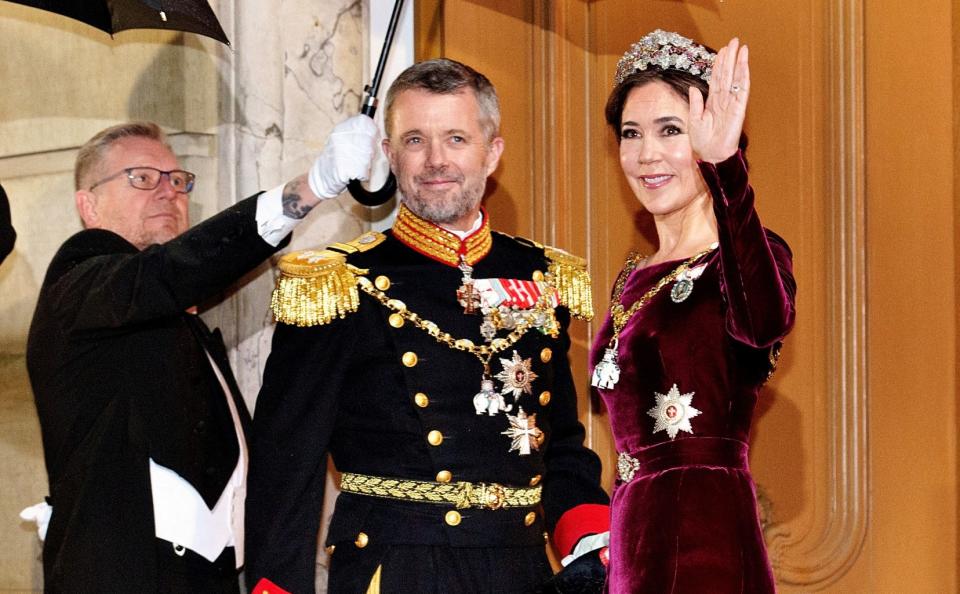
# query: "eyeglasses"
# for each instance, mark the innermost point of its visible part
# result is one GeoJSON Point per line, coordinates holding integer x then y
{"type": "Point", "coordinates": [148, 178]}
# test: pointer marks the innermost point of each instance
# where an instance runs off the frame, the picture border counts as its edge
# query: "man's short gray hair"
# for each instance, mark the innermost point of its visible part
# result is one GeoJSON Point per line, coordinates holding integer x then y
{"type": "Point", "coordinates": [92, 153]}
{"type": "Point", "coordinates": [444, 77]}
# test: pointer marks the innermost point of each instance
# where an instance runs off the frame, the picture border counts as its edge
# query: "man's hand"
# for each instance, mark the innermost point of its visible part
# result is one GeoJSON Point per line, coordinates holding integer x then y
{"type": "Point", "coordinates": [347, 155]}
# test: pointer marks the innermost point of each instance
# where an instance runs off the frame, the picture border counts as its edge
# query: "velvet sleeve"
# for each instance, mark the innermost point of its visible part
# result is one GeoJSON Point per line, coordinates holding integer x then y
{"type": "Point", "coordinates": [292, 426]}
{"type": "Point", "coordinates": [756, 264]}
{"type": "Point", "coordinates": [574, 503]}
{"type": "Point", "coordinates": [108, 284]}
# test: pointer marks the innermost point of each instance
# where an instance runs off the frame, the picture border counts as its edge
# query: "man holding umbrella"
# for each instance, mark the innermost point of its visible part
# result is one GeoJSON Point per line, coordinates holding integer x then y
{"type": "Point", "coordinates": [142, 423]}
{"type": "Point", "coordinates": [431, 363]}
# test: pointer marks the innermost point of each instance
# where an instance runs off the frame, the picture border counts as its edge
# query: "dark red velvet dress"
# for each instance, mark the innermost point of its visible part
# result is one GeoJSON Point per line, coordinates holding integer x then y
{"type": "Point", "coordinates": [687, 520]}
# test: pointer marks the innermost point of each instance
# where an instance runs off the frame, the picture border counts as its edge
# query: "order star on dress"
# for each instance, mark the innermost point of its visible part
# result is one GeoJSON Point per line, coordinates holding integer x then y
{"type": "Point", "coordinates": [673, 412]}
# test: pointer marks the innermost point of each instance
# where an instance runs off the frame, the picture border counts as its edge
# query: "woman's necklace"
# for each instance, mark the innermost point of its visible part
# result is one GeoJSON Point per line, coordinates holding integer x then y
{"type": "Point", "coordinates": [607, 372]}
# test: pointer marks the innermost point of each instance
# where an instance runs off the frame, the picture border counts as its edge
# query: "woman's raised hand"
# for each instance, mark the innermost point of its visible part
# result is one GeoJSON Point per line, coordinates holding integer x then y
{"type": "Point", "coordinates": [715, 127]}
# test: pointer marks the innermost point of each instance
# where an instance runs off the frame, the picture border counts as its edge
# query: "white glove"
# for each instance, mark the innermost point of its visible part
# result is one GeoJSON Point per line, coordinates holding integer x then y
{"type": "Point", "coordinates": [39, 513]}
{"type": "Point", "coordinates": [587, 544]}
{"type": "Point", "coordinates": [347, 155]}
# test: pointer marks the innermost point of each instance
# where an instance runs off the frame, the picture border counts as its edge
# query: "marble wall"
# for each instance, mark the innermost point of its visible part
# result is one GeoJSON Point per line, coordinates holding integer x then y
{"type": "Point", "coordinates": [244, 118]}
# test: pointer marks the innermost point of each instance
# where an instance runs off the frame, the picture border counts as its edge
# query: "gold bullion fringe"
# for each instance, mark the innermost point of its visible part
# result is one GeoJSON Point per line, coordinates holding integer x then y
{"type": "Point", "coordinates": [568, 274]}
{"type": "Point", "coordinates": [315, 288]}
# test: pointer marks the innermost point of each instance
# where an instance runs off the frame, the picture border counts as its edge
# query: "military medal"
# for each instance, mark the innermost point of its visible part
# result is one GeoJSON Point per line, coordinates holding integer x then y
{"type": "Point", "coordinates": [524, 432]}
{"type": "Point", "coordinates": [516, 375]}
{"type": "Point", "coordinates": [684, 285]}
{"type": "Point", "coordinates": [488, 400]}
{"type": "Point", "coordinates": [607, 373]}
{"type": "Point", "coordinates": [488, 330]}
{"type": "Point", "coordinates": [673, 412]}
{"type": "Point", "coordinates": [467, 294]}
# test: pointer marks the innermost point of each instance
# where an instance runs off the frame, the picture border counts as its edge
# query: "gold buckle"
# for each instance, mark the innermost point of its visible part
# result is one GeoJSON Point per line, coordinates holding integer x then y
{"type": "Point", "coordinates": [493, 495]}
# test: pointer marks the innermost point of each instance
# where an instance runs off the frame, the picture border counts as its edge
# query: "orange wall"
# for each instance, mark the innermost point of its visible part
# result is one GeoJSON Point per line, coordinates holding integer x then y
{"type": "Point", "coordinates": [852, 131]}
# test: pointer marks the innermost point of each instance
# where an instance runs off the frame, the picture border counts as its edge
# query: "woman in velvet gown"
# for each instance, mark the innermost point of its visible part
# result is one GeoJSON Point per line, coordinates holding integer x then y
{"type": "Point", "coordinates": [680, 361]}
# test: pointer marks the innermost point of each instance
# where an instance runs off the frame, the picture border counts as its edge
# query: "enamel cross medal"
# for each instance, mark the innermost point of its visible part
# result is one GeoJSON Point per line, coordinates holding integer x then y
{"type": "Point", "coordinates": [524, 433]}
{"type": "Point", "coordinates": [467, 294]}
{"type": "Point", "coordinates": [607, 373]}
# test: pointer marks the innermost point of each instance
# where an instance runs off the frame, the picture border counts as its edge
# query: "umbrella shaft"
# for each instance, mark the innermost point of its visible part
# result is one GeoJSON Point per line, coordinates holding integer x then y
{"type": "Point", "coordinates": [370, 103]}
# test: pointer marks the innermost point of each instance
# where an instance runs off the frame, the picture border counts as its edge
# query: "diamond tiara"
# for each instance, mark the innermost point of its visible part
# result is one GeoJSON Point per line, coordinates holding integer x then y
{"type": "Point", "coordinates": [665, 50]}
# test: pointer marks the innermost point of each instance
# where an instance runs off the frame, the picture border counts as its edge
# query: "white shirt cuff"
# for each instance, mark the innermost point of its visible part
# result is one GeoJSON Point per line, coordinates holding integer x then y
{"type": "Point", "coordinates": [587, 544]}
{"type": "Point", "coordinates": [272, 224]}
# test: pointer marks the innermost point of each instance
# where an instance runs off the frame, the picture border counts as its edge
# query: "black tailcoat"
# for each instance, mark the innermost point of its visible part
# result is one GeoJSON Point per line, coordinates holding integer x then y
{"type": "Point", "coordinates": [120, 375]}
{"type": "Point", "coordinates": [342, 388]}
{"type": "Point", "coordinates": [7, 234]}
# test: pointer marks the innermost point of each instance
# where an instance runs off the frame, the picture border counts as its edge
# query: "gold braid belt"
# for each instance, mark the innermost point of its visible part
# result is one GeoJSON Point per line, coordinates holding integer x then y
{"type": "Point", "coordinates": [462, 494]}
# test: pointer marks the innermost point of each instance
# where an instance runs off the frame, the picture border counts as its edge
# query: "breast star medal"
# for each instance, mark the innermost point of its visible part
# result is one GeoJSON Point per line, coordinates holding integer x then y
{"type": "Point", "coordinates": [673, 412]}
{"type": "Point", "coordinates": [516, 375]}
{"type": "Point", "coordinates": [524, 432]}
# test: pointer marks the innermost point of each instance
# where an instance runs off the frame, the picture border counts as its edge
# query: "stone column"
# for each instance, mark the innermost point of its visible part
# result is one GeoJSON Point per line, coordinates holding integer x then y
{"type": "Point", "coordinates": [296, 70]}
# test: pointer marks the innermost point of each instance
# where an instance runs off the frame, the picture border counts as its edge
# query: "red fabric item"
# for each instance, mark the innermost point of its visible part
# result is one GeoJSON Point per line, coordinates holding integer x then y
{"type": "Point", "coordinates": [265, 586]}
{"type": "Point", "coordinates": [577, 522]}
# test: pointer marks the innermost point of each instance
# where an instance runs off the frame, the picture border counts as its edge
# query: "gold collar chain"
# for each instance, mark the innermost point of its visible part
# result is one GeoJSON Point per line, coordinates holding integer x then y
{"type": "Point", "coordinates": [620, 316]}
{"type": "Point", "coordinates": [483, 352]}
{"type": "Point", "coordinates": [436, 242]}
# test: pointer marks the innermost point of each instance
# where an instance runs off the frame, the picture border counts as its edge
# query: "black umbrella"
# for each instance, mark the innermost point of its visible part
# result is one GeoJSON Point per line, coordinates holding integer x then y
{"type": "Point", "coordinates": [359, 193]}
{"type": "Point", "coordinates": [112, 16]}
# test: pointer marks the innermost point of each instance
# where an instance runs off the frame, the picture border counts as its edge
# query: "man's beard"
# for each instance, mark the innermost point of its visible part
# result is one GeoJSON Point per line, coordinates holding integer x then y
{"type": "Point", "coordinates": [450, 207]}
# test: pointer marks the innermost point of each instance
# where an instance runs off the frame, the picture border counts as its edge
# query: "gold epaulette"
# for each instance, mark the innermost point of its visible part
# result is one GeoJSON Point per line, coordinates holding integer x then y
{"type": "Point", "coordinates": [314, 288]}
{"type": "Point", "coordinates": [367, 241]}
{"type": "Point", "coordinates": [568, 274]}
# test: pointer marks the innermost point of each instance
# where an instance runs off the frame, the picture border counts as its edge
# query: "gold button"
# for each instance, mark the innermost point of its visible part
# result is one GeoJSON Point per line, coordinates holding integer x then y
{"type": "Point", "coordinates": [537, 275]}
{"type": "Point", "coordinates": [421, 399]}
{"type": "Point", "coordinates": [452, 518]}
{"type": "Point", "coordinates": [444, 476]}
{"type": "Point", "coordinates": [396, 320]}
{"type": "Point", "coordinates": [535, 480]}
{"type": "Point", "coordinates": [330, 549]}
{"type": "Point", "coordinates": [529, 519]}
{"type": "Point", "coordinates": [382, 283]}
{"type": "Point", "coordinates": [362, 540]}
{"type": "Point", "coordinates": [435, 437]}
{"type": "Point", "coordinates": [546, 354]}
{"type": "Point", "coordinates": [544, 398]}
{"type": "Point", "coordinates": [409, 359]}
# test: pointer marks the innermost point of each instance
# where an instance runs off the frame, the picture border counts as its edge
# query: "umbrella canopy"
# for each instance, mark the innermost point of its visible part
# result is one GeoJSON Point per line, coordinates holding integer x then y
{"type": "Point", "coordinates": [192, 16]}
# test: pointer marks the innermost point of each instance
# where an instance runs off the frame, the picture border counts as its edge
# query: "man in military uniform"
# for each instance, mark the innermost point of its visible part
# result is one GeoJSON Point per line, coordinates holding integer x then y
{"type": "Point", "coordinates": [431, 362]}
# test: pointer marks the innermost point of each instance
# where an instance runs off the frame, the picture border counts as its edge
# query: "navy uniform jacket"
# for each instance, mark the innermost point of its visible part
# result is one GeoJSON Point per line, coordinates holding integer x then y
{"type": "Point", "coordinates": [344, 388]}
{"type": "Point", "coordinates": [120, 375]}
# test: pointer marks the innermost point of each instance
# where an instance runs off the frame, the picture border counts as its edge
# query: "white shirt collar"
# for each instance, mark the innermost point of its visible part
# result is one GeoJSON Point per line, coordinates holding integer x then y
{"type": "Point", "coordinates": [465, 234]}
